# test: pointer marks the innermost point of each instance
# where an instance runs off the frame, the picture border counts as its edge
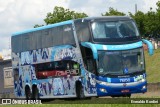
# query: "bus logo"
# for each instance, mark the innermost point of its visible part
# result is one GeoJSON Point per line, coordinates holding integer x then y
{"type": "Point", "coordinates": [125, 80]}
{"type": "Point", "coordinates": [124, 84]}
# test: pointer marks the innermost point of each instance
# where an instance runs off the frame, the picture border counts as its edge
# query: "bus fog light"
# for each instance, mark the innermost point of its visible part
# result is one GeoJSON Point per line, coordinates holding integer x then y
{"type": "Point", "coordinates": [143, 80]}
{"type": "Point", "coordinates": [144, 87]}
{"type": "Point", "coordinates": [103, 90]}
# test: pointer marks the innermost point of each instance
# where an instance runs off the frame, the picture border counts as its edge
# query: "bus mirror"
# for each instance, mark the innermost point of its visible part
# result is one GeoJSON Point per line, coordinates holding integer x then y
{"type": "Point", "coordinates": [150, 46]}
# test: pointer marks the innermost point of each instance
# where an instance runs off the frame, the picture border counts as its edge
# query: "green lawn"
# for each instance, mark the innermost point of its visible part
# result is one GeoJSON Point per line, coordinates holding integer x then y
{"type": "Point", "coordinates": [88, 105]}
{"type": "Point", "coordinates": [153, 66]}
{"type": "Point", "coordinates": [95, 102]}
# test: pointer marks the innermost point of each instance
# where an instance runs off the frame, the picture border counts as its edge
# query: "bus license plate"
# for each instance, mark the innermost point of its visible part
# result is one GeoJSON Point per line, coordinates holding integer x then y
{"type": "Point", "coordinates": [124, 91]}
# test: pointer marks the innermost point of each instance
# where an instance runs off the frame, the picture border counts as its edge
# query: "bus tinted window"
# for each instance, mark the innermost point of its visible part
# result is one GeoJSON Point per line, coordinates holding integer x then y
{"type": "Point", "coordinates": [57, 68]}
{"type": "Point", "coordinates": [46, 38]}
{"type": "Point", "coordinates": [26, 41]}
{"type": "Point", "coordinates": [17, 43]}
{"type": "Point", "coordinates": [57, 35]}
{"type": "Point", "coordinates": [60, 35]}
{"type": "Point", "coordinates": [37, 39]}
{"type": "Point", "coordinates": [117, 29]}
{"type": "Point", "coordinates": [82, 30]}
{"type": "Point", "coordinates": [68, 37]}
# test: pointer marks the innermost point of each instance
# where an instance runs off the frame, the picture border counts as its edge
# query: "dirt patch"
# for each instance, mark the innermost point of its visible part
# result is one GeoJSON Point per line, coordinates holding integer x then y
{"type": "Point", "coordinates": [155, 94]}
{"type": "Point", "coordinates": [152, 87]}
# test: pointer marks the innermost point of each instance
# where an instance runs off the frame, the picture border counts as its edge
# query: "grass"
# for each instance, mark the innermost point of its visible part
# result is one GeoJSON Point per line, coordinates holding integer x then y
{"type": "Point", "coordinates": [153, 66]}
{"type": "Point", "coordinates": [96, 102]}
{"type": "Point", "coordinates": [88, 105]}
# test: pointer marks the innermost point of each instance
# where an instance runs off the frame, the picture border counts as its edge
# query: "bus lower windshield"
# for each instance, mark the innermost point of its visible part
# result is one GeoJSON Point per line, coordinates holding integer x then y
{"type": "Point", "coordinates": [120, 62]}
{"type": "Point", "coordinates": [116, 29]}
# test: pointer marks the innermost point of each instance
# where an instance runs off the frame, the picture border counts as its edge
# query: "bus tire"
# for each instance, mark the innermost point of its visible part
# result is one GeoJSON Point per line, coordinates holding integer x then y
{"type": "Point", "coordinates": [27, 93]}
{"type": "Point", "coordinates": [35, 93]}
{"type": "Point", "coordinates": [79, 91]}
{"type": "Point", "coordinates": [129, 95]}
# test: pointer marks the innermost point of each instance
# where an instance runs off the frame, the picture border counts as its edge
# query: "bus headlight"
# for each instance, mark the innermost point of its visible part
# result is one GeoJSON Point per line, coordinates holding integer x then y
{"type": "Point", "coordinates": [143, 80]}
{"type": "Point", "coordinates": [102, 83]}
{"type": "Point", "coordinates": [103, 90]}
{"type": "Point", "coordinates": [144, 87]}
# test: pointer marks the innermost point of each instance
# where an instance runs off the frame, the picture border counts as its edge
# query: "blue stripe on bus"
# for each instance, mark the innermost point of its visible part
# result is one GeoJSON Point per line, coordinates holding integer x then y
{"type": "Point", "coordinates": [112, 47]}
{"type": "Point", "coordinates": [119, 47]}
{"type": "Point", "coordinates": [150, 46]}
{"type": "Point", "coordinates": [95, 47]}
{"type": "Point", "coordinates": [92, 47]}
{"type": "Point", "coordinates": [43, 27]}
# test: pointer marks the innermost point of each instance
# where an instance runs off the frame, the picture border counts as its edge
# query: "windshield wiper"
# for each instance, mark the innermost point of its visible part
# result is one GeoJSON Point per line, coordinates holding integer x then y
{"type": "Point", "coordinates": [111, 74]}
{"type": "Point", "coordinates": [106, 74]}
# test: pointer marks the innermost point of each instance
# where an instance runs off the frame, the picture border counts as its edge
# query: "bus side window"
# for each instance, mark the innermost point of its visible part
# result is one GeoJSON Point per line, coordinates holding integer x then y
{"type": "Point", "coordinates": [90, 65]}
{"type": "Point", "coordinates": [16, 74]}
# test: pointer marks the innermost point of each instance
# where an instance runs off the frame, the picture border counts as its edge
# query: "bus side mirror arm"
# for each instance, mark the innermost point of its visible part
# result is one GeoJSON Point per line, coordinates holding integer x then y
{"type": "Point", "coordinates": [92, 47]}
{"type": "Point", "coordinates": [150, 46]}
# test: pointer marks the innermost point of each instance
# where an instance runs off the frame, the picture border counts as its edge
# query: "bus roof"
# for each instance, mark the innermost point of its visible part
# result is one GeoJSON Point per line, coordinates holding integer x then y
{"type": "Point", "coordinates": [43, 27]}
{"type": "Point", "coordinates": [108, 18]}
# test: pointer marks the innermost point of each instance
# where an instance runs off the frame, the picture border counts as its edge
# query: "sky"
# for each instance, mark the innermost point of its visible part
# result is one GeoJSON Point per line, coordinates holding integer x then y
{"type": "Point", "coordinates": [18, 15]}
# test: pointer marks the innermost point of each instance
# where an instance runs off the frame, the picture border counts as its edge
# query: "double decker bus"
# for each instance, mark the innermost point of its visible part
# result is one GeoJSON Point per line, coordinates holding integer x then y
{"type": "Point", "coordinates": [93, 56]}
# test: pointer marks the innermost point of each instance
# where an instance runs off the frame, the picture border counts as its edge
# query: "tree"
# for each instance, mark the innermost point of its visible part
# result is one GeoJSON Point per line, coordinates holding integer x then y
{"type": "Point", "coordinates": [158, 5]}
{"type": "Point", "coordinates": [35, 26]}
{"type": "Point", "coordinates": [139, 17]}
{"type": "Point", "coordinates": [113, 12]}
{"type": "Point", "coordinates": [148, 23]}
{"type": "Point", "coordinates": [60, 14]}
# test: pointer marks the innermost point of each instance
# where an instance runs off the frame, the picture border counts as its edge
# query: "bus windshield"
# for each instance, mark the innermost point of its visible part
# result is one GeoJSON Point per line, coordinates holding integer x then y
{"type": "Point", "coordinates": [120, 62]}
{"type": "Point", "coordinates": [116, 29]}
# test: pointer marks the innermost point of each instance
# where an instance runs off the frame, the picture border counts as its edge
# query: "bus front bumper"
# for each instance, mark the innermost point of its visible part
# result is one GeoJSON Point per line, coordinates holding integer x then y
{"type": "Point", "coordinates": [111, 89]}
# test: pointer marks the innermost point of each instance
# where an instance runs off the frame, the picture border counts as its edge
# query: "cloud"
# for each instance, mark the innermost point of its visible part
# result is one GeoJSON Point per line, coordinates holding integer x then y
{"type": "Point", "coordinates": [96, 7]}
{"type": "Point", "coordinates": [148, 4]}
{"type": "Point", "coordinates": [17, 15]}
{"type": "Point", "coordinates": [4, 4]}
{"type": "Point", "coordinates": [6, 42]}
{"type": "Point", "coordinates": [91, 7]}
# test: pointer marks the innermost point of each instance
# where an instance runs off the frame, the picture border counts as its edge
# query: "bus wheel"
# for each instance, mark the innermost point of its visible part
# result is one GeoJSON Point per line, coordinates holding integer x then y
{"type": "Point", "coordinates": [79, 91]}
{"type": "Point", "coordinates": [129, 95]}
{"type": "Point", "coordinates": [35, 93]}
{"type": "Point", "coordinates": [27, 93]}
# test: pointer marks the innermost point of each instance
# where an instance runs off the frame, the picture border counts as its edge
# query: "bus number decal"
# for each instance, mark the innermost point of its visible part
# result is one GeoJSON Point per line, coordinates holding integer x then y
{"type": "Point", "coordinates": [125, 80]}
{"type": "Point", "coordinates": [67, 72]}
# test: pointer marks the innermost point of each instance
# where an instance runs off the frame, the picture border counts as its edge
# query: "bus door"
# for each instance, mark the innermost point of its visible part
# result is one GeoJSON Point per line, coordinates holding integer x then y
{"type": "Point", "coordinates": [90, 70]}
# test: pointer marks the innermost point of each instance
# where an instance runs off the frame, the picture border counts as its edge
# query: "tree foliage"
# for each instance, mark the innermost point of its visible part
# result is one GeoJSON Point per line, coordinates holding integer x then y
{"type": "Point", "coordinates": [113, 12]}
{"type": "Point", "coordinates": [148, 23]}
{"type": "Point", "coordinates": [60, 14]}
{"type": "Point", "coordinates": [35, 26]}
